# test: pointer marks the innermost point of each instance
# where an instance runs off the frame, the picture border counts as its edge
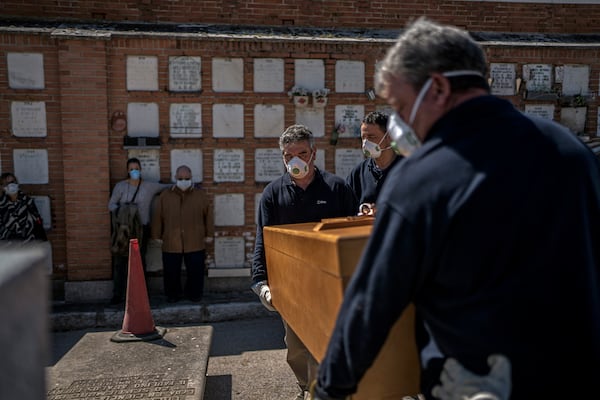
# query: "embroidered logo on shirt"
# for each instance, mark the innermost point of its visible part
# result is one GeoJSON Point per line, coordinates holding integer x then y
{"type": "Point", "coordinates": [321, 202]}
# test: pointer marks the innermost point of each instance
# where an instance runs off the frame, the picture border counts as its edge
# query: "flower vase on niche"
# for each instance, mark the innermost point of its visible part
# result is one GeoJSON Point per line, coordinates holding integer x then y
{"type": "Point", "coordinates": [320, 97]}
{"type": "Point", "coordinates": [299, 95]}
{"type": "Point", "coordinates": [300, 101]}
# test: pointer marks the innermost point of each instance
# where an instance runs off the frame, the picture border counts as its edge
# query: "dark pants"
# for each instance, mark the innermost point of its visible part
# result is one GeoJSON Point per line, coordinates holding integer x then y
{"type": "Point", "coordinates": [121, 264]}
{"type": "Point", "coordinates": [194, 268]}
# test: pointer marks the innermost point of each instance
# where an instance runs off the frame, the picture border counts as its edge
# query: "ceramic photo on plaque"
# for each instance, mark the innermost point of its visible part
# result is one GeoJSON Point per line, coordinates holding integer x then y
{"type": "Point", "coordinates": [269, 120]}
{"type": "Point", "coordinates": [349, 76]}
{"type": "Point", "coordinates": [268, 165]}
{"type": "Point", "coordinates": [190, 157]}
{"type": "Point", "coordinates": [228, 74]}
{"type": "Point", "coordinates": [576, 80]}
{"type": "Point", "coordinates": [185, 74]}
{"type": "Point", "coordinates": [150, 162]}
{"type": "Point", "coordinates": [228, 165]}
{"type": "Point", "coordinates": [28, 118]}
{"type": "Point", "coordinates": [309, 74]}
{"type": "Point", "coordinates": [31, 166]}
{"type": "Point", "coordinates": [142, 73]}
{"type": "Point", "coordinates": [228, 120]}
{"type": "Point", "coordinates": [313, 118]}
{"type": "Point", "coordinates": [268, 75]}
{"type": "Point", "coordinates": [503, 79]}
{"type": "Point", "coordinates": [348, 119]}
{"type": "Point", "coordinates": [186, 120]}
{"type": "Point", "coordinates": [346, 159]}
{"type": "Point", "coordinates": [142, 119]}
{"type": "Point", "coordinates": [25, 70]}
{"type": "Point", "coordinates": [537, 77]}
{"type": "Point", "coordinates": [229, 209]}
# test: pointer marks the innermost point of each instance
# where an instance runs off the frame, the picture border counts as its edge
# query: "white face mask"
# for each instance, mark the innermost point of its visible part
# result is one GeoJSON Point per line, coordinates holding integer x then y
{"type": "Point", "coordinates": [184, 184]}
{"type": "Point", "coordinates": [297, 167]}
{"type": "Point", "coordinates": [372, 149]}
{"type": "Point", "coordinates": [404, 139]}
{"type": "Point", "coordinates": [11, 188]}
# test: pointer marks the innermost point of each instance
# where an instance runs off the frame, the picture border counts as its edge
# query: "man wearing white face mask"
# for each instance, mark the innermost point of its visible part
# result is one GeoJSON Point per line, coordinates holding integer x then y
{"type": "Point", "coordinates": [366, 179]}
{"type": "Point", "coordinates": [183, 221]}
{"type": "Point", "coordinates": [489, 226]}
{"type": "Point", "coordinates": [302, 194]}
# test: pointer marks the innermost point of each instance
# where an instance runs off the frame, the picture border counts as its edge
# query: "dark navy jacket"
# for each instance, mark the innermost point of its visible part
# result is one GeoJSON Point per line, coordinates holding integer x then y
{"type": "Point", "coordinates": [366, 179]}
{"type": "Point", "coordinates": [282, 202]}
{"type": "Point", "coordinates": [494, 235]}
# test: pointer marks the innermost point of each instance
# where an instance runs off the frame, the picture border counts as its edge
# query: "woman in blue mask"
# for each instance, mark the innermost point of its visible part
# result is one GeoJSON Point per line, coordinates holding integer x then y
{"type": "Point", "coordinates": [19, 217]}
{"type": "Point", "coordinates": [133, 190]}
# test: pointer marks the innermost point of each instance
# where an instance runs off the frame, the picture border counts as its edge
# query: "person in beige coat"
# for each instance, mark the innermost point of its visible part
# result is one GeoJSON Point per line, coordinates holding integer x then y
{"type": "Point", "coordinates": [183, 220]}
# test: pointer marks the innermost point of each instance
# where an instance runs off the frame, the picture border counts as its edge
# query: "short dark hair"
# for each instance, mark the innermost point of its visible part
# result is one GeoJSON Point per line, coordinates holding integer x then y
{"type": "Point", "coordinates": [377, 118]}
{"type": "Point", "coordinates": [6, 175]}
{"type": "Point", "coordinates": [133, 160]}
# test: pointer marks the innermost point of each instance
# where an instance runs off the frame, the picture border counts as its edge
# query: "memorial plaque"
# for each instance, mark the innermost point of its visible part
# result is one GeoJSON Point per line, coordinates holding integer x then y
{"type": "Point", "coordinates": [269, 120]}
{"type": "Point", "coordinates": [185, 74]}
{"type": "Point", "coordinates": [598, 123]}
{"type": "Point", "coordinates": [142, 119]}
{"type": "Point", "coordinates": [229, 209]}
{"type": "Point", "coordinates": [150, 163]}
{"type": "Point", "coordinates": [313, 118]}
{"type": "Point", "coordinates": [228, 165]}
{"type": "Point", "coordinates": [541, 110]}
{"type": "Point", "coordinates": [142, 73]}
{"type": "Point", "coordinates": [28, 118]}
{"type": "Point", "coordinates": [230, 252]}
{"type": "Point", "coordinates": [190, 157]}
{"type": "Point", "coordinates": [268, 75]}
{"type": "Point", "coordinates": [348, 119]}
{"type": "Point", "coordinates": [574, 118]}
{"type": "Point", "coordinates": [31, 165]}
{"type": "Point", "coordinates": [346, 159]}
{"type": "Point", "coordinates": [228, 74]}
{"type": "Point", "coordinates": [503, 79]}
{"type": "Point", "coordinates": [576, 80]}
{"type": "Point", "coordinates": [25, 70]}
{"type": "Point", "coordinates": [349, 76]}
{"type": "Point", "coordinates": [309, 74]}
{"type": "Point", "coordinates": [43, 205]}
{"type": "Point", "coordinates": [538, 77]}
{"type": "Point", "coordinates": [268, 165]}
{"type": "Point", "coordinates": [186, 120]}
{"type": "Point", "coordinates": [257, 198]}
{"type": "Point", "coordinates": [228, 120]}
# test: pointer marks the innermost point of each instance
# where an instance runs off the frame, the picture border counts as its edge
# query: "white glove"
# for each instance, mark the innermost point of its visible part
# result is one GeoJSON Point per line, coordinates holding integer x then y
{"type": "Point", "coordinates": [458, 383]}
{"type": "Point", "coordinates": [264, 294]}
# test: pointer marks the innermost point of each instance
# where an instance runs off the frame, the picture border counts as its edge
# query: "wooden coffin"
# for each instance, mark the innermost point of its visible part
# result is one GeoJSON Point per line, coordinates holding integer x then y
{"type": "Point", "coordinates": [309, 266]}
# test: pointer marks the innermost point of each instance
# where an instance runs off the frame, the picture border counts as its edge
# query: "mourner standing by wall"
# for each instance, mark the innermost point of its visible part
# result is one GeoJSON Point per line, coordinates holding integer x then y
{"type": "Point", "coordinates": [19, 216]}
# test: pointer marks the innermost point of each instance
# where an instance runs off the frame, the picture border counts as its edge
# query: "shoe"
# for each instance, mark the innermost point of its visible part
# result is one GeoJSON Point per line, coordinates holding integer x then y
{"type": "Point", "coordinates": [305, 395]}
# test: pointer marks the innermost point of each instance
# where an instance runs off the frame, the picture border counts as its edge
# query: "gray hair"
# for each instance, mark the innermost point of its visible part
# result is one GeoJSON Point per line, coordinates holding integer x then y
{"type": "Point", "coordinates": [295, 134]}
{"type": "Point", "coordinates": [426, 47]}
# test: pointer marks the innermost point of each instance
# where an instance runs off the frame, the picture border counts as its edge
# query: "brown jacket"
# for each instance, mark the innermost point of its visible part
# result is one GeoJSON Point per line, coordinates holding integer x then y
{"type": "Point", "coordinates": [182, 220]}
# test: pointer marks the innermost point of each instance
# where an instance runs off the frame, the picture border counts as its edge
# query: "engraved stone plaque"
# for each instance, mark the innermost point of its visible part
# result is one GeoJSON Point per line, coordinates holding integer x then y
{"type": "Point", "coordinates": [185, 74]}
{"type": "Point", "coordinates": [28, 118]}
{"type": "Point", "coordinates": [228, 165]}
{"type": "Point", "coordinates": [349, 76]}
{"type": "Point", "coordinates": [346, 159]}
{"type": "Point", "coordinates": [228, 74]}
{"type": "Point", "coordinates": [150, 162]}
{"type": "Point", "coordinates": [228, 120]}
{"type": "Point", "coordinates": [348, 119]}
{"type": "Point", "coordinates": [503, 79]}
{"type": "Point", "coordinates": [142, 119]}
{"type": "Point", "coordinates": [142, 73]}
{"type": "Point", "coordinates": [574, 118]}
{"type": "Point", "coordinates": [268, 165]}
{"type": "Point", "coordinates": [229, 209]}
{"type": "Point", "coordinates": [576, 80]}
{"type": "Point", "coordinates": [314, 118]}
{"type": "Point", "coordinates": [43, 205]}
{"type": "Point", "coordinates": [269, 120]}
{"type": "Point", "coordinates": [25, 70]}
{"type": "Point", "coordinates": [31, 165]}
{"type": "Point", "coordinates": [190, 157]}
{"type": "Point", "coordinates": [186, 120]}
{"type": "Point", "coordinates": [268, 75]}
{"type": "Point", "coordinates": [229, 252]}
{"type": "Point", "coordinates": [538, 77]}
{"type": "Point", "coordinates": [309, 74]}
{"type": "Point", "coordinates": [541, 110]}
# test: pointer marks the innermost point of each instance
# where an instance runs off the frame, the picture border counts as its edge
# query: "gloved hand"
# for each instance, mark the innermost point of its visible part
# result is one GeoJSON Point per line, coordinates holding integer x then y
{"type": "Point", "coordinates": [264, 294]}
{"type": "Point", "coordinates": [458, 383]}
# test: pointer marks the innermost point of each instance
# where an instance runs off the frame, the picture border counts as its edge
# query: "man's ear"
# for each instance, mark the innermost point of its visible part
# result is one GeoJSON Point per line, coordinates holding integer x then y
{"type": "Point", "coordinates": [441, 88]}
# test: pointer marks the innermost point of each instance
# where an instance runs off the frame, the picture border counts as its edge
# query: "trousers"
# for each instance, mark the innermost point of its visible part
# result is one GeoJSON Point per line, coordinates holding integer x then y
{"type": "Point", "coordinates": [194, 268]}
{"type": "Point", "coordinates": [300, 360]}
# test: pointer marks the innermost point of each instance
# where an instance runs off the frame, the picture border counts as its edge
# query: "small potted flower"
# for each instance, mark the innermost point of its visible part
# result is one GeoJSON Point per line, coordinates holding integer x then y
{"type": "Point", "coordinates": [320, 97]}
{"type": "Point", "coordinates": [299, 95]}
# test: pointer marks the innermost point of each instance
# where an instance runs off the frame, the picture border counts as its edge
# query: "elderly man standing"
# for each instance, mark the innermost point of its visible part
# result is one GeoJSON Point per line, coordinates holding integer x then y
{"type": "Point", "coordinates": [183, 220]}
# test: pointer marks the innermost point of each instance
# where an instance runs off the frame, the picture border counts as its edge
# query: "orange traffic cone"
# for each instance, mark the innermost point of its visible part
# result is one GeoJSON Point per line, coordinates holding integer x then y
{"type": "Point", "coordinates": [138, 324]}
